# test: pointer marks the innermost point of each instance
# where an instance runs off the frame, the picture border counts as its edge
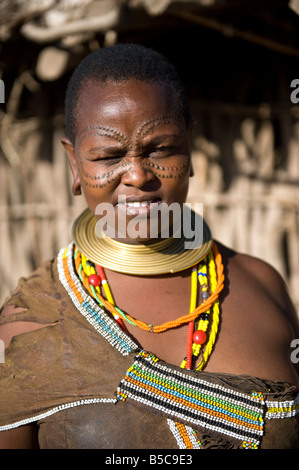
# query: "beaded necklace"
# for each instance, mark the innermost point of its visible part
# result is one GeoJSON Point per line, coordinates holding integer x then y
{"type": "Point", "coordinates": [93, 279]}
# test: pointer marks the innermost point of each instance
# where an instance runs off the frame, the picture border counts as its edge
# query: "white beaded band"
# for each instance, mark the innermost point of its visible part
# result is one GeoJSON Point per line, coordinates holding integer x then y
{"type": "Point", "coordinates": [180, 441]}
{"type": "Point", "coordinates": [282, 409]}
{"type": "Point", "coordinates": [94, 314]}
{"type": "Point", "coordinates": [58, 408]}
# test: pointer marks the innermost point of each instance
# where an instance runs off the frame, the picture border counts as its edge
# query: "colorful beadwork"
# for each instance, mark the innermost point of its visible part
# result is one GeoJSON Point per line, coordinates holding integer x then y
{"type": "Point", "coordinates": [250, 445]}
{"type": "Point", "coordinates": [90, 309]}
{"type": "Point", "coordinates": [208, 319]}
{"type": "Point", "coordinates": [192, 400]}
{"type": "Point", "coordinates": [93, 278]}
{"type": "Point", "coordinates": [184, 435]}
{"type": "Point", "coordinates": [83, 269]}
{"type": "Point", "coordinates": [282, 409]}
{"type": "Point", "coordinates": [86, 271]}
{"type": "Point", "coordinates": [182, 397]}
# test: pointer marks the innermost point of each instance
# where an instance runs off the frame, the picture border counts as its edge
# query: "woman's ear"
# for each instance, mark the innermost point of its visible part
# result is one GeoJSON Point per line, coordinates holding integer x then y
{"type": "Point", "coordinates": [70, 151]}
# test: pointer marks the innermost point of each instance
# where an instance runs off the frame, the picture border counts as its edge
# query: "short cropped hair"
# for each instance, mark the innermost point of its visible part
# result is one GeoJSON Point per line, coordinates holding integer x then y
{"type": "Point", "coordinates": [122, 62]}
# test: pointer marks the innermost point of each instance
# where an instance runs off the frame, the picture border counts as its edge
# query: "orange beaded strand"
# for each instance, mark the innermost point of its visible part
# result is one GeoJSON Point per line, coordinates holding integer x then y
{"type": "Point", "coordinates": [193, 315]}
{"type": "Point", "coordinates": [172, 323]}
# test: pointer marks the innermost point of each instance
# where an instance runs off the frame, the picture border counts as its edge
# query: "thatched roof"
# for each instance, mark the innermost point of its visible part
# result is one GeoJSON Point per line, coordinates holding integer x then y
{"type": "Point", "coordinates": [45, 21]}
{"type": "Point", "coordinates": [57, 29]}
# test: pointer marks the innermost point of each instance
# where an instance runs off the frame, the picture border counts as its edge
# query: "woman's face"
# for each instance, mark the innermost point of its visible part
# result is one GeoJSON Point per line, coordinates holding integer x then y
{"type": "Point", "coordinates": [131, 150]}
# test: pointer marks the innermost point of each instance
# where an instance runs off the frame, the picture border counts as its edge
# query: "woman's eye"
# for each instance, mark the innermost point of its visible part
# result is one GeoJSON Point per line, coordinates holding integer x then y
{"type": "Point", "coordinates": [111, 159]}
{"type": "Point", "coordinates": [163, 151]}
{"type": "Point", "coordinates": [107, 159]}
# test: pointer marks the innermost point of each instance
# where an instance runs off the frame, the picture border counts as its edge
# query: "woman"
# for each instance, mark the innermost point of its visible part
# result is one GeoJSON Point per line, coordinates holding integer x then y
{"type": "Point", "coordinates": [115, 344]}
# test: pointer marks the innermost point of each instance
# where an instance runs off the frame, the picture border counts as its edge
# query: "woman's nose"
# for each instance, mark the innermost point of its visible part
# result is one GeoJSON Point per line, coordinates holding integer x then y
{"type": "Point", "coordinates": [137, 175]}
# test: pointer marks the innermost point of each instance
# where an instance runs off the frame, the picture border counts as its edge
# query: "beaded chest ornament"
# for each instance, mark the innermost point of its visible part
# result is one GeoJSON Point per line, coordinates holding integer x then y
{"type": "Point", "coordinates": [93, 279]}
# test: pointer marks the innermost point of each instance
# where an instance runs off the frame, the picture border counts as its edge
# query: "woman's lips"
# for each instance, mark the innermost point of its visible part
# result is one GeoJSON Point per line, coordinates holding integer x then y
{"type": "Point", "coordinates": [138, 208]}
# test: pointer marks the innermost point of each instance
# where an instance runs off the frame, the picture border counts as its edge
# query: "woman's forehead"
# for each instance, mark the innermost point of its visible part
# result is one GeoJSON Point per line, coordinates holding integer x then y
{"type": "Point", "coordinates": [126, 103]}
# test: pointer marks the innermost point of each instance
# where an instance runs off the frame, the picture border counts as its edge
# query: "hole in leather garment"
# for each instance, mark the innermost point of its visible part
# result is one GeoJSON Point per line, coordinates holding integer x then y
{"type": "Point", "coordinates": [9, 309]}
{"type": "Point", "coordinates": [9, 330]}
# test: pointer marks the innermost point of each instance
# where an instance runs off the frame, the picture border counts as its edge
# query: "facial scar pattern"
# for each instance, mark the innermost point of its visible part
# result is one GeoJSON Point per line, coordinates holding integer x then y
{"type": "Point", "coordinates": [160, 171]}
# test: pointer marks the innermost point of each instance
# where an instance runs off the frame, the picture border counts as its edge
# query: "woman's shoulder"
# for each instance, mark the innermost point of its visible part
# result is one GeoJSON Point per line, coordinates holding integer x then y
{"type": "Point", "coordinates": [257, 307]}
{"type": "Point", "coordinates": [33, 304]}
{"type": "Point", "coordinates": [259, 278]}
{"type": "Point", "coordinates": [40, 279]}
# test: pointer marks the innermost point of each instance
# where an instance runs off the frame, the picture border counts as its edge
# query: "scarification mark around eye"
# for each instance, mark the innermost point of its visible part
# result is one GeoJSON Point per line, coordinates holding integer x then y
{"type": "Point", "coordinates": [150, 125]}
{"type": "Point", "coordinates": [105, 131]}
{"type": "Point", "coordinates": [172, 172]}
{"type": "Point", "coordinates": [109, 177]}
